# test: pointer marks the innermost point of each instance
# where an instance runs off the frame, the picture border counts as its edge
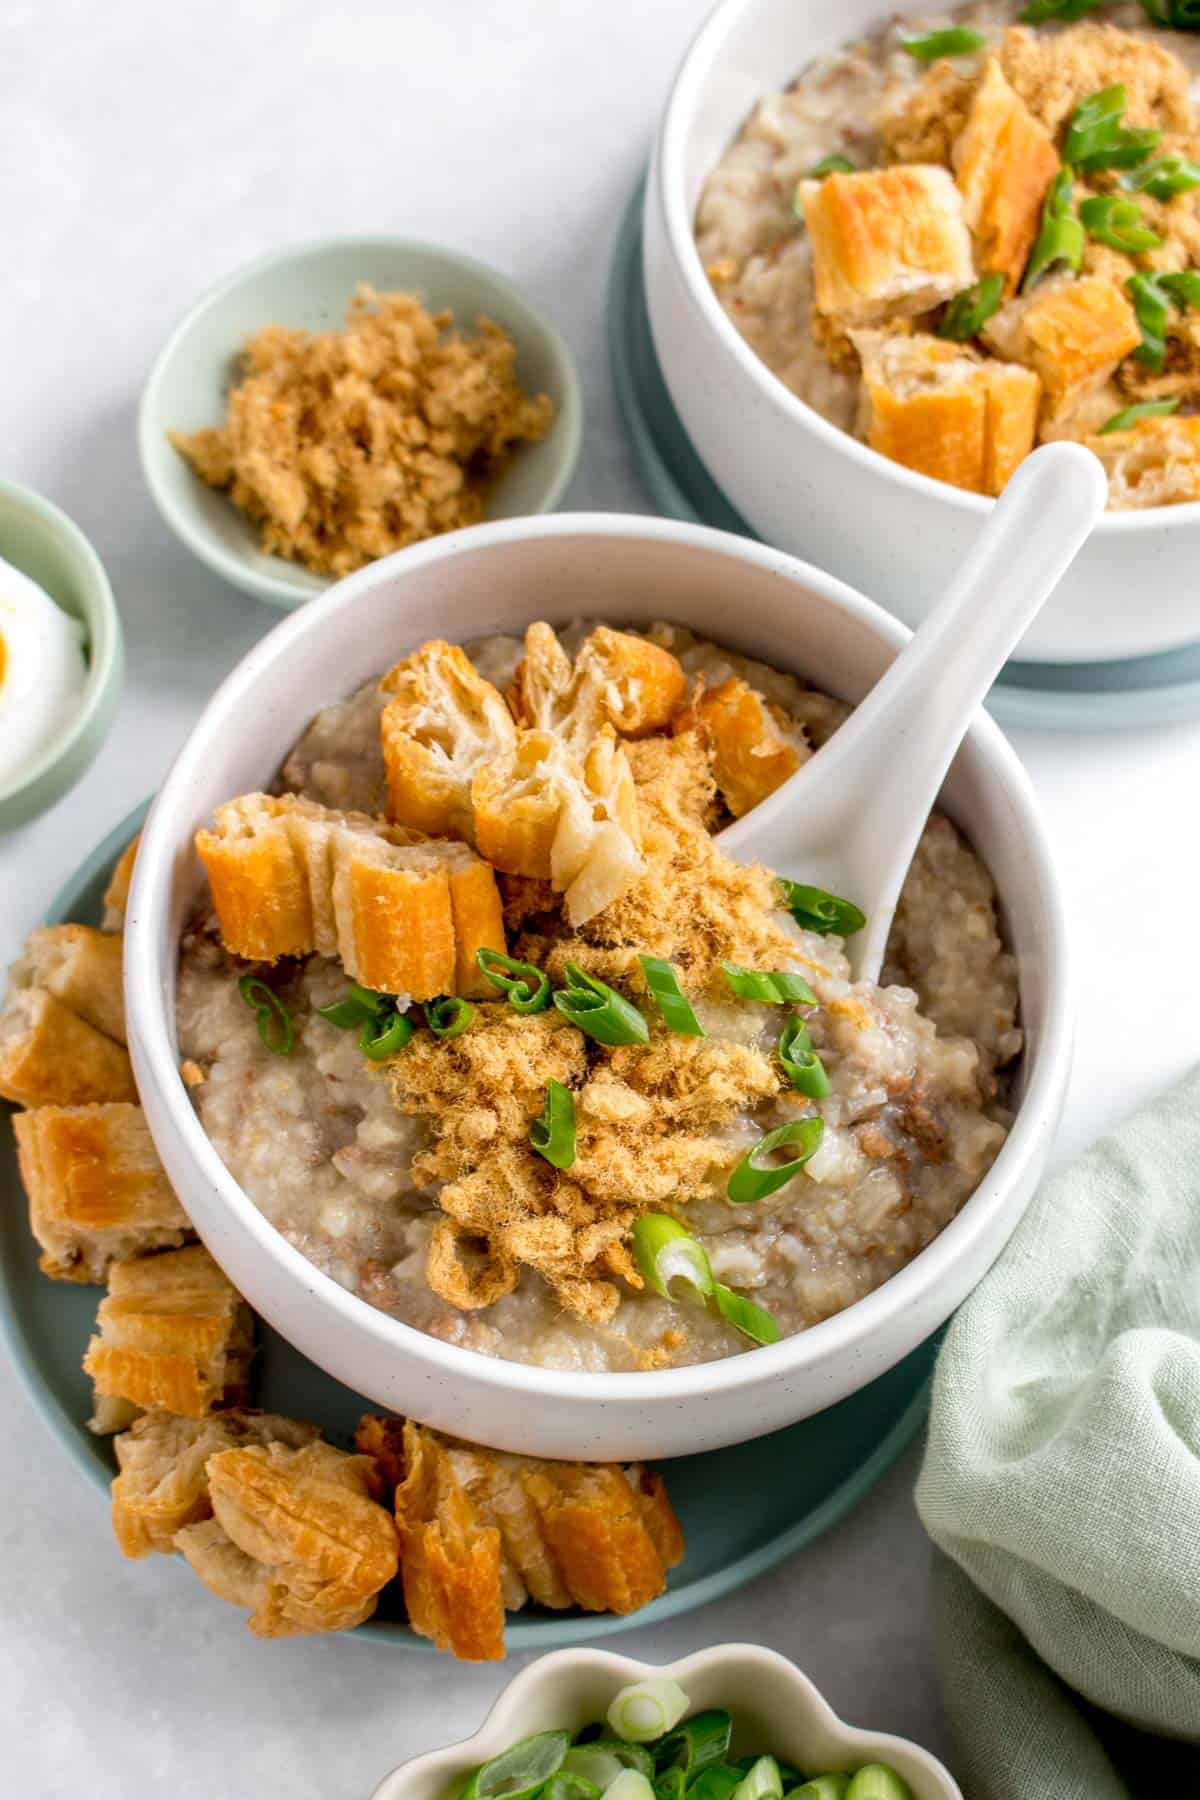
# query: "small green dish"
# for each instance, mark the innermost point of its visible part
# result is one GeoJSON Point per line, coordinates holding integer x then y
{"type": "Point", "coordinates": [309, 287]}
{"type": "Point", "coordinates": [44, 544]}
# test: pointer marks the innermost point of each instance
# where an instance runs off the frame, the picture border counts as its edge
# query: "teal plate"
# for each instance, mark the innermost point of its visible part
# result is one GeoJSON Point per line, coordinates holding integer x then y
{"type": "Point", "coordinates": [1102, 696]}
{"type": "Point", "coordinates": [801, 1481]}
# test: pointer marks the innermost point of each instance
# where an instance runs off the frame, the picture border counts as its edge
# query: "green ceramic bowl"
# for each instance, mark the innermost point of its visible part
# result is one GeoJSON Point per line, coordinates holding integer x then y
{"type": "Point", "coordinates": [44, 544]}
{"type": "Point", "coordinates": [310, 287]}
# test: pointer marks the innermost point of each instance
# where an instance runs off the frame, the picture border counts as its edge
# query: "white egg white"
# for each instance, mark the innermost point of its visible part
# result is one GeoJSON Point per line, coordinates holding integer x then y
{"type": "Point", "coordinates": [42, 671]}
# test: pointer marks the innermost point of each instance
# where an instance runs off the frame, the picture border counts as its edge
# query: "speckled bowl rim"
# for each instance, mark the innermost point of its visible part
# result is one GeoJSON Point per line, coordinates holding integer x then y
{"type": "Point", "coordinates": [106, 661]}
{"type": "Point", "coordinates": [282, 590]}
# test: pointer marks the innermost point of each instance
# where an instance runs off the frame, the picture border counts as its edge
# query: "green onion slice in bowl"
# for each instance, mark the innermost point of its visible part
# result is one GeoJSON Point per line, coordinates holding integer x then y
{"type": "Point", "coordinates": [599, 1011]}
{"type": "Point", "coordinates": [644, 1710]}
{"type": "Point", "coordinates": [526, 987]}
{"type": "Point", "coordinates": [272, 1017]}
{"type": "Point", "coordinates": [448, 1016]}
{"type": "Point", "coordinates": [669, 996]}
{"type": "Point", "coordinates": [755, 1179]}
{"type": "Point", "coordinates": [814, 909]}
{"type": "Point", "coordinates": [519, 1772]}
{"type": "Point", "coordinates": [772, 987]}
{"type": "Point", "coordinates": [746, 1315]}
{"type": "Point", "coordinates": [553, 1135]}
{"type": "Point", "coordinates": [800, 1062]}
{"type": "Point", "coordinates": [666, 1253]}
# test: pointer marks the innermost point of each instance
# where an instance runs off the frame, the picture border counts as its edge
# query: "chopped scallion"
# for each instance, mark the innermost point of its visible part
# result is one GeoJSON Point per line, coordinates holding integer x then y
{"type": "Point", "coordinates": [357, 1005]}
{"type": "Point", "coordinates": [1096, 138]}
{"type": "Point", "coordinates": [746, 1315]}
{"type": "Point", "coordinates": [755, 1179]}
{"type": "Point", "coordinates": [669, 996]}
{"type": "Point", "coordinates": [698, 1743]}
{"type": "Point", "coordinates": [875, 1781]}
{"type": "Point", "coordinates": [831, 165]}
{"type": "Point", "coordinates": [1149, 298]}
{"type": "Point", "coordinates": [520, 1771]}
{"type": "Point", "coordinates": [629, 1785]}
{"type": "Point", "coordinates": [599, 1011]}
{"type": "Point", "coordinates": [773, 987]}
{"type": "Point", "coordinates": [1117, 223]}
{"type": "Point", "coordinates": [717, 1783]}
{"type": "Point", "coordinates": [955, 41]}
{"type": "Point", "coordinates": [1145, 409]}
{"type": "Point", "coordinates": [800, 1062]}
{"type": "Point", "coordinates": [969, 311]}
{"type": "Point", "coordinates": [384, 1035]}
{"type": "Point", "coordinates": [665, 1254]}
{"type": "Point", "coordinates": [1163, 178]}
{"type": "Point", "coordinates": [645, 1710]}
{"type": "Point", "coordinates": [762, 1781]}
{"type": "Point", "coordinates": [1063, 12]}
{"type": "Point", "coordinates": [448, 1016]}
{"type": "Point", "coordinates": [603, 1759]}
{"type": "Point", "coordinates": [815, 910]}
{"type": "Point", "coordinates": [567, 1786]}
{"type": "Point", "coordinates": [527, 987]}
{"type": "Point", "coordinates": [1061, 238]}
{"type": "Point", "coordinates": [272, 1017]}
{"type": "Point", "coordinates": [822, 1787]}
{"type": "Point", "coordinates": [553, 1135]}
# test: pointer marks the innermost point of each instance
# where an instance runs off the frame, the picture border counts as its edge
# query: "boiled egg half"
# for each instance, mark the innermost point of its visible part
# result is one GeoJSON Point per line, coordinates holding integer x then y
{"type": "Point", "coordinates": [43, 671]}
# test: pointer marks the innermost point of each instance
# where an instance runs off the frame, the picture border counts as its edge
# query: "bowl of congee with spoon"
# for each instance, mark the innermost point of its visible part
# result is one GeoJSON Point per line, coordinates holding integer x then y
{"type": "Point", "coordinates": [500, 1081]}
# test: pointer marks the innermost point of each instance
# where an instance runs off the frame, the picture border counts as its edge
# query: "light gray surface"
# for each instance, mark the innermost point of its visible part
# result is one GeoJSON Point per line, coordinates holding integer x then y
{"type": "Point", "coordinates": [146, 151]}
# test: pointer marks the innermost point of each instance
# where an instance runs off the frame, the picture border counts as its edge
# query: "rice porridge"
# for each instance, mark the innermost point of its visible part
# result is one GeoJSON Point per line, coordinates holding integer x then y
{"type": "Point", "coordinates": [412, 1182]}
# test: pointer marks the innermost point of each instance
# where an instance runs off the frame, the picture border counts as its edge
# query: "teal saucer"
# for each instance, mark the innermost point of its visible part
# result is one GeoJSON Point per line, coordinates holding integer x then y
{"type": "Point", "coordinates": [1099, 696]}
{"type": "Point", "coordinates": [743, 1510]}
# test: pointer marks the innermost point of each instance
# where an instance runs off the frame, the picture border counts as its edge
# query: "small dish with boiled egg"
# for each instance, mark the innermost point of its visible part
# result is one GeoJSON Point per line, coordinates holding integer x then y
{"type": "Point", "coordinates": [61, 656]}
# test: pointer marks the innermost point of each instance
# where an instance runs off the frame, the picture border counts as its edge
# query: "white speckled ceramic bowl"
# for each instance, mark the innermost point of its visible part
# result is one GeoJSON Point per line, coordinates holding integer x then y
{"type": "Point", "coordinates": [309, 286]}
{"type": "Point", "coordinates": [798, 480]}
{"type": "Point", "coordinates": [500, 578]}
{"type": "Point", "coordinates": [773, 1705]}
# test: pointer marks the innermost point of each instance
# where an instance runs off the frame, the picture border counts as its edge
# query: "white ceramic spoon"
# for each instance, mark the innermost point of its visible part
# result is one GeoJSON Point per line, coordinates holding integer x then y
{"type": "Point", "coordinates": [849, 820]}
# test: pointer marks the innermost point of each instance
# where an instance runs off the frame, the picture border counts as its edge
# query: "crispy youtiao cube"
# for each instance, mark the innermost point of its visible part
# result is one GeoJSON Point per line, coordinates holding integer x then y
{"type": "Point", "coordinates": [751, 756]}
{"type": "Point", "coordinates": [1071, 333]}
{"type": "Point", "coordinates": [886, 243]}
{"type": "Point", "coordinates": [81, 967]}
{"type": "Point", "coordinates": [441, 723]}
{"type": "Point", "coordinates": [539, 812]}
{"type": "Point", "coordinates": [404, 914]}
{"type": "Point", "coordinates": [296, 1535]}
{"type": "Point", "coordinates": [97, 1191]}
{"type": "Point", "coordinates": [483, 1532]}
{"type": "Point", "coordinates": [1156, 462]}
{"type": "Point", "coordinates": [51, 1057]}
{"type": "Point", "coordinates": [1005, 161]}
{"type": "Point", "coordinates": [173, 1332]}
{"type": "Point", "coordinates": [939, 408]}
{"type": "Point", "coordinates": [617, 679]}
{"type": "Point", "coordinates": [116, 894]}
{"type": "Point", "coordinates": [162, 1484]}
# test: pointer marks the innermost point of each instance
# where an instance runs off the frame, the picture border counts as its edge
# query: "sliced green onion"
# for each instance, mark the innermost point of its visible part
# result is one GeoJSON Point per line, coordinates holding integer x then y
{"type": "Point", "coordinates": [599, 1011]}
{"type": "Point", "coordinates": [877, 1782]}
{"type": "Point", "coordinates": [815, 910]}
{"type": "Point", "coordinates": [1096, 138]}
{"type": "Point", "coordinates": [1063, 12]}
{"type": "Point", "coordinates": [1117, 223]}
{"type": "Point", "coordinates": [448, 1016]}
{"type": "Point", "coordinates": [774, 987]}
{"type": "Point", "coordinates": [1182, 15]}
{"type": "Point", "coordinates": [520, 1771]}
{"type": "Point", "coordinates": [957, 41]}
{"type": "Point", "coordinates": [753, 1179]}
{"type": "Point", "coordinates": [666, 1253]}
{"type": "Point", "coordinates": [800, 1062]}
{"type": "Point", "coordinates": [670, 1785]}
{"type": "Point", "coordinates": [672, 1002]}
{"type": "Point", "coordinates": [645, 1710]}
{"type": "Point", "coordinates": [383, 1036]}
{"type": "Point", "coordinates": [357, 1005]}
{"type": "Point", "coordinates": [823, 1787]}
{"type": "Point", "coordinates": [697, 1744]}
{"type": "Point", "coordinates": [1183, 287]}
{"type": "Point", "coordinates": [1163, 178]}
{"type": "Point", "coordinates": [1149, 299]}
{"type": "Point", "coordinates": [553, 1135]}
{"type": "Point", "coordinates": [831, 165]}
{"type": "Point", "coordinates": [969, 311]}
{"type": "Point", "coordinates": [747, 1316]}
{"type": "Point", "coordinates": [527, 987]}
{"type": "Point", "coordinates": [568, 1786]}
{"type": "Point", "coordinates": [1145, 409]}
{"type": "Point", "coordinates": [629, 1785]}
{"type": "Point", "coordinates": [762, 1782]}
{"type": "Point", "coordinates": [274, 1021]}
{"type": "Point", "coordinates": [717, 1783]}
{"type": "Point", "coordinates": [1061, 238]}
{"type": "Point", "coordinates": [603, 1759]}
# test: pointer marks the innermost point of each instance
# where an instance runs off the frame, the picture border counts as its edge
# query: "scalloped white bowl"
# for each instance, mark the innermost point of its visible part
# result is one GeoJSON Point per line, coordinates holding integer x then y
{"type": "Point", "coordinates": [499, 578]}
{"type": "Point", "coordinates": [774, 1707]}
{"type": "Point", "coordinates": [798, 480]}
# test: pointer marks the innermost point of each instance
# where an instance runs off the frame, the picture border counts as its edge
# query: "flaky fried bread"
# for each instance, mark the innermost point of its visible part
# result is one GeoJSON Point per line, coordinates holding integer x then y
{"type": "Point", "coordinates": [442, 721]}
{"type": "Point", "coordinates": [1071, 333]}
{"type": "Point", "coordinates": [404, 914]}
{"type": "Point", "coordinates": [97, 1191]}
{"type": "Point", "coordinates": [1004, 161]}
{"type": "Point", "coordinates": [482, 1532]}
{"type": "Point", "coordinates": [81, 967]}
{"type": "Point", "coordinates": [753, 749]}
{"type": "Point", "coordinates": [49, 1056]}
{"type": "Point", "coordinates": [116, 894]}
{"type": "Point", "coordinates": [1156, 462]}
{"type": "Point", "coordinates": [886, 243]}
{"type": "Point", "coordinates": [941, 409]}
{"type": "Point", "coordinates": [172, 1332]}
{"type": "Point", "coordinates": [617, 679]}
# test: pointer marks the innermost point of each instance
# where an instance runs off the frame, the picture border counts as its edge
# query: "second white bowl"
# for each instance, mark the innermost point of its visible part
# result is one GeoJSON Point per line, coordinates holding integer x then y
{"type": "Point", "coordinates": [498, 578]}
{"type": "Point", "coordinates": [798, 480]}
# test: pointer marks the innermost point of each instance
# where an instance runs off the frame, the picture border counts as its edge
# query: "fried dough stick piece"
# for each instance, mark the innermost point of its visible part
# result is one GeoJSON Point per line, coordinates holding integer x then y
{"type": "Point", "coordinates": [81, 967]}
{"type": "Point", "coordinates": [617, 679]}
{"type": "Point", "coordinates": [51, 1057]}
{"type": "Point", "coordinates": [442, 722]}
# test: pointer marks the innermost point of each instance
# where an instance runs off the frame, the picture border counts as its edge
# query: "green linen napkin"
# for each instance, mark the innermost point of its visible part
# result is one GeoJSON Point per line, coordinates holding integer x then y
{"type": "Point", "coordinates": [1062, 1482]}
